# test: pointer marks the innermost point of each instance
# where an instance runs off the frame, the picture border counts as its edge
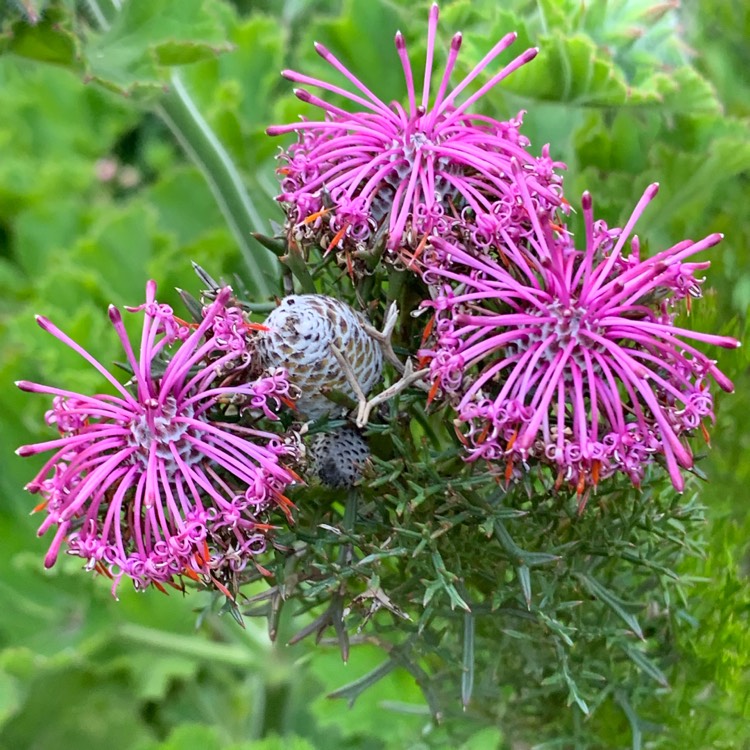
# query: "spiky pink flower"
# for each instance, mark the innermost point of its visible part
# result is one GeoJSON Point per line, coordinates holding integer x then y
{"type": "Point", "coordinates": [406, 172]}
{"type": "Point", "coordinates": [152, 482]}
{"type": "Point", "coordinates": [569, 357]}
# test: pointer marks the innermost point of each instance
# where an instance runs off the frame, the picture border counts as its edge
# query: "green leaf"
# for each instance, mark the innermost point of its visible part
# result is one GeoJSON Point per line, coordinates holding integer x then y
{"type": "Point", "coordinates": [616, 604]}
{"type": "Point", "coordinates": [644, 663]}
{"type": "Point", "coordinates": [145, 37]}
{"type": "Point", "coordinates": [49, 41]}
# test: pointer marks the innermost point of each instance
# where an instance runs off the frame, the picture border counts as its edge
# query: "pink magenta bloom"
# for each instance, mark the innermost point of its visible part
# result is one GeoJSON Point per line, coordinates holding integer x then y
{"type": "Point", "coordinates": [406, 171]}
{"type": "Point", "coordinates": [572, 358]}
{"type": "Point", "coordinates": [151, 483]}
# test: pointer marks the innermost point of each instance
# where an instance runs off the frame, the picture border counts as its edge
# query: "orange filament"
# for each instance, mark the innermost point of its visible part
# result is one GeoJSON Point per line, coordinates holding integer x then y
{"type": "Point", "coordinates": [706, 436]}
{"type": "Point", "coordinates": [250, 326]}
{"type": "Point", "coordinates": [102, 570]}
{"type": "Point", "coordinates": [286, 506]}
{"type": "Point", "coordinates": [185, 323]}
{"type": "Point", "coordinates": [41, 506]}
{"type": "Point", "coordinates": [295, 476]}
{"type": "Point", "coordinates": [288, 402]}
{"type": "Point", "coordinates": [337, 238]}
{"type": "Point", "coordinates": [512, 441]}
{"type": "Point", "coordinates": [581, 486]}
{"type": "Point", "coordinates": [317, 215]}
{"type": "Point", "coordinates": [224, 590]}
{"type": "Point", "coordinates": [191, 574]}
{"type": "Point", "coordinates": [420, 249]}
{"type": "Point", "coordinates": [595, 467]}
{"type": "Point", "coordinates": [433, 392]}
{"type": "Point", "coordinates": [509, 471]}
{"type": "Point", "coordinates": [161, 588]}
{"type": "Point", "coordinates": [265, 572]}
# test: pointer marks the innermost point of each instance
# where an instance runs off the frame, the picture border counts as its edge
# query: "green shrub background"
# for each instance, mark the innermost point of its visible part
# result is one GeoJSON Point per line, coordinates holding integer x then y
{"type": "Point", "coordinates": [97, 195]}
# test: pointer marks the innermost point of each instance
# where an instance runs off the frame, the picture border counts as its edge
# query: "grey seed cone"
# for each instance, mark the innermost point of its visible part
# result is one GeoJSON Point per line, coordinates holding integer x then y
{"type": "Point", "coordinates": [338, 458]}
{"type": "Point", "coordinates": [301, 331]}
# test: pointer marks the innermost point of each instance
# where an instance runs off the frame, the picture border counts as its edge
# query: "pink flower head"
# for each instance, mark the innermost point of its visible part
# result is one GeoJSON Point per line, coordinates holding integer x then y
{"type": "Point", "coordinates": [572, 358]}
{"type": "Point", "coordinates": [151, 483]}
{"type": "Point", "coordinates": [406, 171]}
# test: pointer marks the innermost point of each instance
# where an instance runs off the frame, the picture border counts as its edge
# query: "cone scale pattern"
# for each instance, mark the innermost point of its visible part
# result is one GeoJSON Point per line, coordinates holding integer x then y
{"type": "Point", "coordinates": [339, 457]}
{"type": "Point", "coordinates": [300, 336]}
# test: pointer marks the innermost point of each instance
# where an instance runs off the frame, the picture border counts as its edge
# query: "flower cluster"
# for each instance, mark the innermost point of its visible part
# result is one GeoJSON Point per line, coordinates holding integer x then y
{"type": "Point", "coordinates": [398, 174]}
{"type": "Point", "coordinates": [153, 482]}
{"type": "Point", "coordinates": [571, 357]}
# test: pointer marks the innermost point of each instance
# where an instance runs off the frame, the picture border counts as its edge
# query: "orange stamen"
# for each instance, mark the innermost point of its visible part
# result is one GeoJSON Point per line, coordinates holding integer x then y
{"type": "Point", "coordinates": [286, 506]}
{"type": "Point", "coordinates": [581, 486]}
{"type": "Point", "coordinates": [295, 476]}
{"type": "Point", "coordinates": [512, 441]}
{"type": "Point", "coordinates": [420, 249]}
{"type": "Point", "coordinates": [460, 434]}
{"type": "Point", "coordinates": [103, 570]}
{"type": "Point", "coordinates": [483, 434]}
{"type": "Point", "coordinates": [706, 436]}
{"type": "Point", "coordinates": [595, 467]}
{"type": "Point", "coordinates": [161, 588]}
{"type": "Point", "coordinates": [191, 574]}
{"type": "Point", "coordinates": [41, 506]}
{"type": "Point", "coordinates": [428, 329]}
{"type": "Point", "coordinates": [559, 480]}
{"type": "Point", "coordinates": [263, 571]}
{"type": "Point", "coordinates": [185, 323]}
{"type": "Point", "coordinates": [314, 217]}
{"type": "Point", "coordinates": [433, 392]}
{"type": "Point", "coordinates": [337, 238]}
{"type": "Point", "coordinates": [224, 590]}
{"type": "Point", "coordinates": [509, 471]}
{"type": "Point", "coordinates": [288, 402]}
{"type": "Point", "coordinates": [256, 327]}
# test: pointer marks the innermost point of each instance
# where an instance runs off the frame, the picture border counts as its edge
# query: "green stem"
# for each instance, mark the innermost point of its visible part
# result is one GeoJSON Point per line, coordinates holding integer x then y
{"type": "Point", "coordinates": [202, 146]}
{"type": "Point", "coordinates": [196, 648]}
{"type": "Point", "coordinates": [200, 143]}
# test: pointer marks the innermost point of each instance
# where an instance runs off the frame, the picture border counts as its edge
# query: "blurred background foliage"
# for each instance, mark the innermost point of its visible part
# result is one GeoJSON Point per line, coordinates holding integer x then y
{"type": "Point", "coordinates": [103, 185]}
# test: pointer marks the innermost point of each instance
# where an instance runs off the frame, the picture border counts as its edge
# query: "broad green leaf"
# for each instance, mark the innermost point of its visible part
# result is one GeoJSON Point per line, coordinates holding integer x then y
{"type": "Point", "coordinates": [50, 40]}
{"type": "Point", "coordinates": [147, 36]}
